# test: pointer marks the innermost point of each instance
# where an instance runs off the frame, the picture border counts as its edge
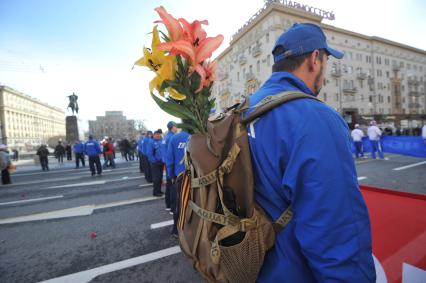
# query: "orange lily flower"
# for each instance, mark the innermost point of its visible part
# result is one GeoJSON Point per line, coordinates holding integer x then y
{"type": "Point", "coordinates": [207, 74]}
{"type": "Point", "coordinates": [172, 24]}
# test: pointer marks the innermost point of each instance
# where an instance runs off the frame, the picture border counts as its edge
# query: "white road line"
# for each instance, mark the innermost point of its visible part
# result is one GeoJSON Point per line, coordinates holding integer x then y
{"type": "Point", "coordinates": [409, 166]}
{"type": "Point", "coordinates": [30, 200]}
{"type": "Point", "coordinates": [161, 224]}
{"type": "Point", "coordinates": [145, 185]}
{"type": "Point", "coordinates": [361, 178]}
{"type": "Point", "coordinates": [78, 185]}
{"type": "Point", "coordinates": [72, 212]}
{"type": "Point", "coordinates": [88, 275]}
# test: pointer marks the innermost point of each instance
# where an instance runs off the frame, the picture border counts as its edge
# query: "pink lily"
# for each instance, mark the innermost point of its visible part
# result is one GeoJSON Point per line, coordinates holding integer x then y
{"type": "Point", "coordinates": [172, 24]}
{"type": "Point", "coordinates": [207, 73]}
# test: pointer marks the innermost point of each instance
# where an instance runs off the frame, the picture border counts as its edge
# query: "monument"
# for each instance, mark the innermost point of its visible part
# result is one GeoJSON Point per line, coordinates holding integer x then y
{"type": "Point", "coordinates": [71, 125]}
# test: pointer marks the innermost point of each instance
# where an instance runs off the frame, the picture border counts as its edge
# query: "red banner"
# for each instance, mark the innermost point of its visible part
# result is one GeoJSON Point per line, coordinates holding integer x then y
{"type": "Point", "coordinates": [398, 223]}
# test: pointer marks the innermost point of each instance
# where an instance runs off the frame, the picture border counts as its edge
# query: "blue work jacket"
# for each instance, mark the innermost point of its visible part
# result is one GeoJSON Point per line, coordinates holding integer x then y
{"type": "Point", "coordinates": [175, 154]}
{"type": "Point", "coordinates": [153, 151]}
{"type": "Point", "coordinates": [301, 154]}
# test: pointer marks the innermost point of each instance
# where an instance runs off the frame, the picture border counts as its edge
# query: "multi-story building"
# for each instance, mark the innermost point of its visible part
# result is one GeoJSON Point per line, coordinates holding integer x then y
{"type": "Point", "coordinates": [26, 121]}
{"type": "Point", "coordinates": [377, 78]}
{"type": "Point", "coordinates": [113, 125]}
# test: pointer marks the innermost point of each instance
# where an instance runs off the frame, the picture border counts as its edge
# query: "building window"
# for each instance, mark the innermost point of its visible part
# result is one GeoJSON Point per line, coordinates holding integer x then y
{"type": "Point", "coordinates": [325, 96]}
{"type": "Point", "coordinates": [238, 76]}
{"type": "Point", "coordinates": [267, 37]}
{"type": "Point", "coordinates": [387, 74]}
{"type": "Point", "coordinates": [386, 62]}
{"type": "Point", "coordinates": [258, 66]}
{"type": "Point", "coordinates": [337, 97]}
{"type": "Point", "coordinates": [268, 60]}
{"type": "Point", "coordinates": [370, 98]}
{"type": "Point", "coordinates": [389, 99]}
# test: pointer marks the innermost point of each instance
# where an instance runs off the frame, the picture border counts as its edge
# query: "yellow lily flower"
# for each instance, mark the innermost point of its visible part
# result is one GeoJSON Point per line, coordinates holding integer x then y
{"type": "Point", "coordinates": [152, 58]}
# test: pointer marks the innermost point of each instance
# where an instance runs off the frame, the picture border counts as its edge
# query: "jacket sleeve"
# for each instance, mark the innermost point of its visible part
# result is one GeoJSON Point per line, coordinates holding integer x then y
{"type": "Point", "coordinates": [149, 151]}
{"type": "Point", "coordinates": [330, 217]}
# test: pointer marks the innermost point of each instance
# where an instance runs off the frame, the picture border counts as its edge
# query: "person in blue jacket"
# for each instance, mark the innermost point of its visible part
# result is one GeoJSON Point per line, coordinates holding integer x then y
{"type": "Point", "coordinates": [92, 149]}
{"type": "Point", "coordinates": [171, 126]}
{"type": "Point", "coordinates": [301, 154]}
{"type": "Point", "coordinates": [155, 157]}
{"type": "Point", "coordinates": [176, 165]}
{"type": "Point", "coordinates": [140, 152]}
{"type": "Point", "coordinates": [146, 165]}
{"type": "Point", "coordinates": [79, 154]}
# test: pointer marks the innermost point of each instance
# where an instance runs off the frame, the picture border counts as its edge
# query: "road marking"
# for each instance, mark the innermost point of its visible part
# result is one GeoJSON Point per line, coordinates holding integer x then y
{"type": "Point", "coordinates": [88, 275]}
{"type": "Point", "coordinates": [145, 185]}
{"type": "Point", "coordinates": [78, 185]}
{"type": "Point", "coordinates": [31, 200]}
{"type": "Point", "coordinates": [161, 224]}
{"type": "Point", "coordinates": [361, 178]}
{"type": "Point", "coordinates": [72, 212]}
{"type": "Point", "coordinates": [409, 166]}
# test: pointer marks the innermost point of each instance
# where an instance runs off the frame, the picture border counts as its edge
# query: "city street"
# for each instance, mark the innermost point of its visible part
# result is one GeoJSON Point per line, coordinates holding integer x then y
{"type": "Point", "coordinates": [65, 226]}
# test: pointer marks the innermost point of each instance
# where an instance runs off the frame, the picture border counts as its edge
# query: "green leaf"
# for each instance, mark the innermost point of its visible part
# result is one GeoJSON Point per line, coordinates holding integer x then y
{"type": "Point", "coordinates": [173, 108]}
{"type": "Point", "coordinates": [165, 37]}
{"type": "Point", "coordinates": [195, 81]}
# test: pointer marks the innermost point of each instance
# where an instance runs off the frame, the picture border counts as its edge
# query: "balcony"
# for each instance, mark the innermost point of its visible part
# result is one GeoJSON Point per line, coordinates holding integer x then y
{"type": "Point", "coordinates": [414, 93]}
{"type": "Point", "coordinates": [248, 76]}
{"type": "Point", "coordinates": [414, 105]}
{"type": "Point", "coordinates": [396, 68]}
{"type": "Point", "coordinates": [256, 50]}
{"type": "Point", "coordinates": [349, 89]}
{"type": "Point", "coordinates": [222, 76]}
{"type": "Point", "coordinates": [412, 81]}
{"type": "Point", "coordinates": [242, 59]}
{"type": "Point", "coordinates": [336, 73]}
{"type": "Point", "coordinates": [361, 76]}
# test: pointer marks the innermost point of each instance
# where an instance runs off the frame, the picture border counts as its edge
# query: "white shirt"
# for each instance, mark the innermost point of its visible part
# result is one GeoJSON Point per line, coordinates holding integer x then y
{"type": "Point", "coordinates": [357, 135]}
{"type": "Point", "coordinates": [374, 133]}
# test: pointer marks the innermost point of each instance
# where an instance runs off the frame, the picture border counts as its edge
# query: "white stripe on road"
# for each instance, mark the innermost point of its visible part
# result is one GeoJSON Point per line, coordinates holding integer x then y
{"type": "Point", "coordinates": [30, 200]}
{"type": "Point", "coordinates": [145, 185]}
{"type": "Point", "coordinates": [409, 166]}
{"type": "Point", "coordinates": [79, 185]}
{"type": "Point", "coordinates": [88, 275]}
{"type": "Point", "coordinates": [361, 178]}
{"type": "Point", "coordinates": [72, 212]}
{"type": "Point", "coordinates": [161, 224]}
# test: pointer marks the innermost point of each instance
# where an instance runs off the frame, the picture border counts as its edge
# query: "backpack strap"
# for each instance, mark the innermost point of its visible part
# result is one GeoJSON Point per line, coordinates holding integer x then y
{"type": "Point", "coordinates": [262, 107]}
{"type": "Point", "coordinates": [272, 101]}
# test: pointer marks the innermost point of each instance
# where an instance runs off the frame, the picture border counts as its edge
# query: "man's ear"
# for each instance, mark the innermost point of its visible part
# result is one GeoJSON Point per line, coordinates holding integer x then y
{"type": "Point", "coordinates": [312, 60]}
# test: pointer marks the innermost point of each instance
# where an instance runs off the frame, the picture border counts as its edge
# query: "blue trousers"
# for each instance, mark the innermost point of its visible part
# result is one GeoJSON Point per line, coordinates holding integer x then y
{"type": "Point", "coordinates": [376, 146]}
{"type": "Point", "coordinates": [358, 149]}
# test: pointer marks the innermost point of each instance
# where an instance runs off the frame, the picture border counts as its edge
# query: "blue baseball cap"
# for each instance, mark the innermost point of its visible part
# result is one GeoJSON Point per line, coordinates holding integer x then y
{"type": "Point", "coordinates": [301, 39]}
{"type": "Point", "coordinates": [170, 125]}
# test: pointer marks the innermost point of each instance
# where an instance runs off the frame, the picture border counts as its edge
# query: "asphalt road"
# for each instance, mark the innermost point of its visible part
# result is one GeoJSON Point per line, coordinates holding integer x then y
{"type": "Point", "coordinates": [48, 222]}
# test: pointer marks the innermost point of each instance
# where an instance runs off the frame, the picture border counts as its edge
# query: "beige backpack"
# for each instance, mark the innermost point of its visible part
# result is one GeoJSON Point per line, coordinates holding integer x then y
{"type": "Point", "coordinates": [221, 228]}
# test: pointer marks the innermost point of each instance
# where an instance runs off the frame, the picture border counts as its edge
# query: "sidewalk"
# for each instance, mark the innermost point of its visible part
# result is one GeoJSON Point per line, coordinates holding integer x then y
{"type": "Point", "coordinates": [26, 165]}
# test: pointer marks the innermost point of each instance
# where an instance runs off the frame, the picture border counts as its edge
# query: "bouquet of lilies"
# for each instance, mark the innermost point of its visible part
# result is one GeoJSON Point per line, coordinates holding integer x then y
{"type": "Point", "coordinates": [184, 72]}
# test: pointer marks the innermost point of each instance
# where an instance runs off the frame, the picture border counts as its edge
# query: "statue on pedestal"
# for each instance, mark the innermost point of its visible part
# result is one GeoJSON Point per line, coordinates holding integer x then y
{"type": "Point", "coordinates": [73, 103]}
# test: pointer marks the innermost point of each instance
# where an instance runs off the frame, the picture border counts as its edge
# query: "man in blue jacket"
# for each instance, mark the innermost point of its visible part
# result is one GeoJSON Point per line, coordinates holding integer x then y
{"type": "Point", "coordinates": [79, 154]}
{"type": "Point", "coordinates": [92, 150]}
{"type": "Point", "coordinates": [155, 157]}
{"type": "Point", "coordinates": [146, 165]}
{"type": "Point", "coordinates": [176, 165]}
{"type": "Point", "coordinates": [171, 126]}
{"type": "Point", "coordinates": [301, 154]}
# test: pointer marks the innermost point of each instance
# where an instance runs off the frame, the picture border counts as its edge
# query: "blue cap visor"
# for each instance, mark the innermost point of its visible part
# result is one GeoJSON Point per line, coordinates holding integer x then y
{"type": "Point", "coordinates": [334, 53]}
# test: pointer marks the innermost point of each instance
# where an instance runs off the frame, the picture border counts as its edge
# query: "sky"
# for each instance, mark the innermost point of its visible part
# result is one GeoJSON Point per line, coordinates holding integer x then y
{"type": "Point", "coordinates": [52, 48]}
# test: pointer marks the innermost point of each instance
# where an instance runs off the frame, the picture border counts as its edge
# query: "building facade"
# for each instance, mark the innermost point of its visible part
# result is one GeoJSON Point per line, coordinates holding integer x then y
{"type": "Point", "coordinates": [27, 122]}
{"type": "Point", "coordinates": [376, 79]}
{"type": "Point", "coordinates": [113, 125]}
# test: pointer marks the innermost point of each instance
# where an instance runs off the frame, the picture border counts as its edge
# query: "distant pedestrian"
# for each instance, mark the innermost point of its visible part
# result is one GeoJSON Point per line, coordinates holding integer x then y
{"type": "Point", "coordinates": [79, 154]}
{"type": "Point", "coordinates": [155, 158]}
{"type": "Point", "coordinates": [92, 149]}
{"type": "Point", "coordinates": [140, 153]}
{"type": "Point", "coordinates": [374, 135]}
{"type": "Point", "coordinates": [4, 164]}
{"type": "Point", "coordinates": [59, 152]}
{"type": "Point", "coordinates": [15, 154]}
{"type": "Point", "coordinates": [357, 135]}
{"type": "Point", "coordinates": [68, 150]}
{"type": "Point", "coordinates": [125, 147]}
{"type": "Point", "coordinates": [43, 155]}
{"type": "Point", "coordinates": [147, 165]}
{"type": "Point", "coordinates": [109, 154]}
{"type": "Point", "coordinates": [175, 166]}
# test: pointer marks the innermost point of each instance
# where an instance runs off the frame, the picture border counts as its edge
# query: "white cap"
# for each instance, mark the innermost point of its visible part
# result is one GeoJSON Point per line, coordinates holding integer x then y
{"type": "Point", "coordinates": [356, 125]}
